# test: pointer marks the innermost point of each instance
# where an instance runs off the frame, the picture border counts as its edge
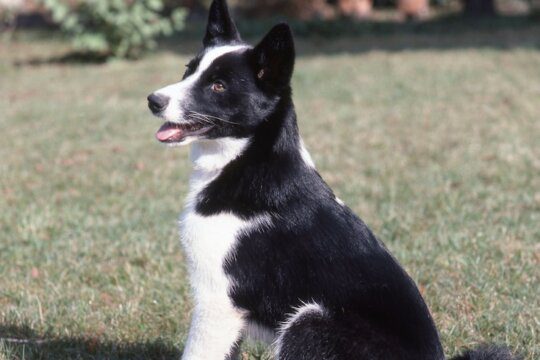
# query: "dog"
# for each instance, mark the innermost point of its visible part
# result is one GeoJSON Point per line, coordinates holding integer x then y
{"type": "Point", "coordinates": [271, 251]}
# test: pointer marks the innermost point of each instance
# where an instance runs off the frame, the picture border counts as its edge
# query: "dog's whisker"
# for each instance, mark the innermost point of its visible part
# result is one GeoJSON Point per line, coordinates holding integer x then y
{"type": "Point", "coordinates": [197, 117]}
{"type": "Point", "coordinates": [212, 117]}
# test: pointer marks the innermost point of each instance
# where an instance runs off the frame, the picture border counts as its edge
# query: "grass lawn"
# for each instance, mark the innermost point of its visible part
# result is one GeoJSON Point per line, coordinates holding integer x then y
{"type": "Point", "coordinates": [434, 140]}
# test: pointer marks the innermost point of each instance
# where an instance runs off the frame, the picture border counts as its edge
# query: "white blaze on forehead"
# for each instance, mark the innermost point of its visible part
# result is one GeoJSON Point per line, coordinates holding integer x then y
{"type": "Point", "coordinates": [178, 92]}
{"type": "Point", "coordinates": [214, 53]}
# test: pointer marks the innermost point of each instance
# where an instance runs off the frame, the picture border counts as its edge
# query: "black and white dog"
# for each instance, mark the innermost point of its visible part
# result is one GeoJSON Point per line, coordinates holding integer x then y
{"type": "Point", "coordinates": [271, 249]}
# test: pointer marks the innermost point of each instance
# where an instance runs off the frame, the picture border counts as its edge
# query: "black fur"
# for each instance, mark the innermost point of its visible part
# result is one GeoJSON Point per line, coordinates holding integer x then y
{"type": "Point", "coordinates": [274, 58]}
{"type": "Point", "coordinates": [221, 28]}
{"type": "Point", "coordinates": [314, 250]}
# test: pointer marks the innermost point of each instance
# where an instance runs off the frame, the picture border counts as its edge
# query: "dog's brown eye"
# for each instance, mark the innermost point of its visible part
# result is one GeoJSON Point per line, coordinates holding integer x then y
{"type": "Point", "coordinates": [218, 87]}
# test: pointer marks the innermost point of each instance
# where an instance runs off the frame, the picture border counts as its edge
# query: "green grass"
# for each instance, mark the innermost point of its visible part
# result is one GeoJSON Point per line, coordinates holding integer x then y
{"type": "Point", "coordinates": [432, 139]}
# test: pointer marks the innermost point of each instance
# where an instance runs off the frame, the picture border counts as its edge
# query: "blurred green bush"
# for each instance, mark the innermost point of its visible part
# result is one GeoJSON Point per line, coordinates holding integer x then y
{"type": "Point", "coordinates": [114, 28]}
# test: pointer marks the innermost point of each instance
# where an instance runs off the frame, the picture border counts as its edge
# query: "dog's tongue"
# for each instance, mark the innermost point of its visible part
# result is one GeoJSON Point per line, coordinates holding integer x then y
{"type": "Point", "coordinates": [168, 132]}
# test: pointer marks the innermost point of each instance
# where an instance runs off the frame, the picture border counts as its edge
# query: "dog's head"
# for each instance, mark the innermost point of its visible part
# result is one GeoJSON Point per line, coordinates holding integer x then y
{"type": "Point", "coordinates": [229, 88]}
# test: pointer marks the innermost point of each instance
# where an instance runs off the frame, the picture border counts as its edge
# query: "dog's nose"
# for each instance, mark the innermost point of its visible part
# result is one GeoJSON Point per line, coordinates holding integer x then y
{"type": "Point", "coordinates": [157, 102]}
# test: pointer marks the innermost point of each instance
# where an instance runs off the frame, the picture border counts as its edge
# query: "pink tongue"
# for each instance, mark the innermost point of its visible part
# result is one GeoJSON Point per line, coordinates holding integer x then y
{"type": "Point", "coordinates": [167, 132]}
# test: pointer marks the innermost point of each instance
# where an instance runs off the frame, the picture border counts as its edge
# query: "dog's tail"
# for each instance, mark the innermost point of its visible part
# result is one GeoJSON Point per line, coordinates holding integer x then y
{"type": "Point", "coordinates": [488, 352]}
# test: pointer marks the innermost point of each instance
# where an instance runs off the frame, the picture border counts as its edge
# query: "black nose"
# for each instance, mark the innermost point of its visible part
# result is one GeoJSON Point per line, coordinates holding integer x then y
{"type": "Point", "coordinates": [157, 102]}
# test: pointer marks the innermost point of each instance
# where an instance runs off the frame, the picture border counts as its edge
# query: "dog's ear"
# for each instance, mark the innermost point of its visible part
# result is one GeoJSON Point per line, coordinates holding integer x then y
{"type": "Point", "coordinates": [274, 57]}
{"type": "Point", "coordinates": [221, 27]}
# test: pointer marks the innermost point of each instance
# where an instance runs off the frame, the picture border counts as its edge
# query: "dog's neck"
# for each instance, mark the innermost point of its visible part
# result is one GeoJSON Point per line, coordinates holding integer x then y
{"type": "Point", "coordinates": [213, 155]}
{"type": "Point", "coordinates": [275, 140]}
{"type": "Point", "coordinates": [238, 174]}
{"type": "Point", "coordinates": [277, 134]}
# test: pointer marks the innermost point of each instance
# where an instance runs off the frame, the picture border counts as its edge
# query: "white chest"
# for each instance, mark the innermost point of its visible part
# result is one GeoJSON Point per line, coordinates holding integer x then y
{"type": "Point", "coordinates": [207, 241]}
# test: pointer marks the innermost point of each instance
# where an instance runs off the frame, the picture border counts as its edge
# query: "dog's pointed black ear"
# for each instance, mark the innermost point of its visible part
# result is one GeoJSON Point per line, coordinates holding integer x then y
{"type": "Point", "coordinates": [274, 57]}
{"type": "Point", "coordinates": [221, 27]}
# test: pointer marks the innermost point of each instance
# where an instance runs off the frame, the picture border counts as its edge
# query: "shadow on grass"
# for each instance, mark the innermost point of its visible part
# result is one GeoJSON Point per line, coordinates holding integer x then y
{"type": "Point", "coordinates": [21, 342]}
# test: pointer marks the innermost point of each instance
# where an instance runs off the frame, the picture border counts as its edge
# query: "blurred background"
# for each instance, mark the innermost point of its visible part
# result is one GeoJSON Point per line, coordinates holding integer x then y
{"type": "Point", "coordinates": [123, 28]}
{"type": "Point", "coordinates": [423, 116]}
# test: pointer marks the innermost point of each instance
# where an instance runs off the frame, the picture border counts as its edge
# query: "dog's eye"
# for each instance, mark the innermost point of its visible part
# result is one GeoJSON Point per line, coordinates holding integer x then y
{"type": "Point", "coordinates": [218, 87]}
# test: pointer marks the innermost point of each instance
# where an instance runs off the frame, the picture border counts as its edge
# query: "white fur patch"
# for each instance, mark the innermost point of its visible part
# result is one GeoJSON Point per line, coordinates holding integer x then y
{"type": "Point", "coordinates": [305, 155]}
{"type": "Point", "coordinates": [211, 155]}
{"type": "Point", "coordinates": [339, 201]}
{"type": "Point", "coordinates": [305, 309]}
{"type": "Point", "coordinates": [216, 324]}
{"type": "Point", "coordinates": [178, 93]}
{"type": "Point", "coordinates": [208, 240]}
{"type": "Point", "coordinates": [258, 333]}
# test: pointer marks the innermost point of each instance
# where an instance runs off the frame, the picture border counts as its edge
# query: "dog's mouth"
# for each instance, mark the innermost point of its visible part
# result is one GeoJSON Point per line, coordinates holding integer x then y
{"type": "Point", "coordinates": [171, 132]}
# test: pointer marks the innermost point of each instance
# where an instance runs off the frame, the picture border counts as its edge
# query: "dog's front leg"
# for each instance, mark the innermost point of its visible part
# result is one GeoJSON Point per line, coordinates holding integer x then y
{"type": "Point", "coordinates": [216, 327]}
